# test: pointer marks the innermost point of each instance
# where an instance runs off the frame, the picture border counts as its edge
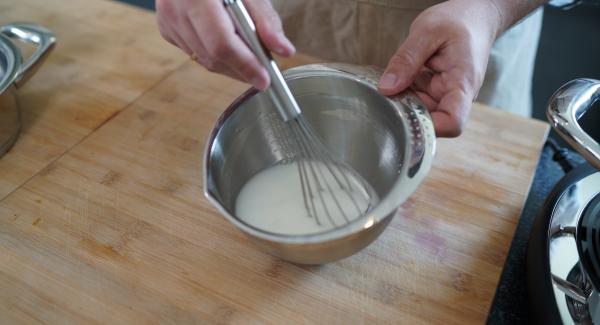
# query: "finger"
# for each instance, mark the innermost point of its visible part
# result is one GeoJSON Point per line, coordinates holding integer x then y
{"type": "Point", "coordinates": [171, 36]}
{"type": "Point", "coordinates": [188, 33]}
{"type": "Point", "coordinates": [232, 74]}
{"type": "Point", "coordinates": [200, 52]}
{"type": "Point", "coordinates": [180, 43]}
{"type": "Point", "coordinates": [220, 68]}
{"type": "Point", "coordinates": [451, 113]}
{"type": "Point", "coordinates": [422, 88]}
{"type": "Point", "coordinates": [168, 17]}
{"type": "Point", "coordinates": [166, 14]}
{"type": "Point", "coordinates": [165, 32]}
{"type": "Point", "coordinates": [434, 84]}
{"type": "Point", "coordinates": [216, 32]}
{"type": "Point", "coordinates": [428, 101]}
{"type": "Point", "coordinates": [422, 81]}
{"type": "Point", "coordinates": [437, 63]}
{"type": "Point", "coordinates": [268, 25]}
{"type": "Point", "coordinates": [406, 63]}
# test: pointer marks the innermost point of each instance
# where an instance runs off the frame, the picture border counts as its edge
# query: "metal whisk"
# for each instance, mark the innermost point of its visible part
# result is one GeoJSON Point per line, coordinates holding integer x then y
{"type": "Point", "coordinates": [332, 191]}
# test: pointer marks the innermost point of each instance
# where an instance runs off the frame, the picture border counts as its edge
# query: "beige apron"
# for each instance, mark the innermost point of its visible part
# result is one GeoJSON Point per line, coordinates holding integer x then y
{"type": "Point", "coordinates": [370, 31]}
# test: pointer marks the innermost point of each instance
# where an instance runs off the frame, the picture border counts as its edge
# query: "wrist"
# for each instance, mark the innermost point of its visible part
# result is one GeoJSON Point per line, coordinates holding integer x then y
{"type": "Point", "coordinates": [497, 16]}
{"type": "Point", "coordinates": [509, 12]}
{"type": "Point", "coordinates": [478, 18]}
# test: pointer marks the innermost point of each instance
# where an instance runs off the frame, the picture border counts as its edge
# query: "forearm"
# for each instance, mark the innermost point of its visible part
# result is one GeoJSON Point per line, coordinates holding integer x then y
{"type": "Point", "coordinates": [509, 12]}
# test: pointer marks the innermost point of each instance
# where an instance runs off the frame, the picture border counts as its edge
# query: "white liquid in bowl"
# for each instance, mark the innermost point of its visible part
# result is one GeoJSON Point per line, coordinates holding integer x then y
{"type": "Point", "coordinates": [272, 200]}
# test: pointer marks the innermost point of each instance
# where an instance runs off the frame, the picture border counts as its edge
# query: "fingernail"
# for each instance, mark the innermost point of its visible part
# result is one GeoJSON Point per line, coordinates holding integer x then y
{"type": "Point", "coordinates": [260, 83]}
{"type": "Point", "coordinates": [255, 81]}
{"type": "Point", "coordinates": [290, 45]}
{"type": "Point", "coordinates": [388, 80]}
{"type": "Point", "coordinates": [286, 44]}
{"type": "Point", "coordinates": [279, 50]}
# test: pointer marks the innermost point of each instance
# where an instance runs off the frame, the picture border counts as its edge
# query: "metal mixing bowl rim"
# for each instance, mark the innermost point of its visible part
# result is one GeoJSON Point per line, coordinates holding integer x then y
{"type": "Point", "coordinates": [387, 205]}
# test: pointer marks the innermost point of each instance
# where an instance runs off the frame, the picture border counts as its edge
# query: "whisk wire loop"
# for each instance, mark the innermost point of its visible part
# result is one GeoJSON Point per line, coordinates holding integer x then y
{"type": "Point", "coordinates": [316, 168]}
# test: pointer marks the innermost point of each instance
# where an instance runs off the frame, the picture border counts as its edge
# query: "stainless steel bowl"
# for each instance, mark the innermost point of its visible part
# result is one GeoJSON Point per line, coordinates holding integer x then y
{"type": "Point", "coordinates": [389, 141]}
{"type": "Point", "coordinates": [14, 73]}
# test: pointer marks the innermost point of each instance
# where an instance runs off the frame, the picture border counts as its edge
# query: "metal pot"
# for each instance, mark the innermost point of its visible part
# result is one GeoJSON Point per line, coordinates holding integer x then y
{"type": "Point", "coordinates": [14, 73]}
{"type": "Point", "coordinates": [389, 141]}
{"type": "Point", "coordinates": [564, 246]}
{"type": "Point", "coordinates": [577, 213]}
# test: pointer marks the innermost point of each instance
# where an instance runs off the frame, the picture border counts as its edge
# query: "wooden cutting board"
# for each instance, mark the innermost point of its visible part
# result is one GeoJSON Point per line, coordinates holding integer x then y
{"type": "Point", "coordinates": [106, 221]}
{"type": "Point", "coordinates": [94, 72]}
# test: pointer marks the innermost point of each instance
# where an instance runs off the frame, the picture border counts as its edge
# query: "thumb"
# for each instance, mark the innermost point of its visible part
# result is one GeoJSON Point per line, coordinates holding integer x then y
{"type": "Point", "coordinates": [269, 28]}
{"type": "Point", "coordinates": [406, 63]}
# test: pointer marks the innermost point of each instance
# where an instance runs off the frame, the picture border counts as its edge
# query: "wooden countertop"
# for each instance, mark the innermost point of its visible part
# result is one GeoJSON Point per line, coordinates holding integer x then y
{"type": "Point", "coordinates": [102, 217]}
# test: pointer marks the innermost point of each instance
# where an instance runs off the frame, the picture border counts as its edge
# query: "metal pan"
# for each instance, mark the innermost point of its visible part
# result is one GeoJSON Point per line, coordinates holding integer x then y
{"type": "Point", "coordinates": [14, 73]}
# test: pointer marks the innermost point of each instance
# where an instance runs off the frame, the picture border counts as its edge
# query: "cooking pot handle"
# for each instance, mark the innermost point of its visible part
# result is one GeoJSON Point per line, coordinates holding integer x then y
{"type": "Point", "coordinates": [566, 106]}
{"type": "Point", "coordinates": [580, 294]}
{"type": "Point", "coordinates": [30, 33]}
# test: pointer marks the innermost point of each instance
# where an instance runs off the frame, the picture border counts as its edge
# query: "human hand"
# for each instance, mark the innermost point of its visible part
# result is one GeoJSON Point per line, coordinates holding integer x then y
{"type": "Point", "coordinates": [444, 60]}
{"type": "Point", "coordinates": [204, 30]}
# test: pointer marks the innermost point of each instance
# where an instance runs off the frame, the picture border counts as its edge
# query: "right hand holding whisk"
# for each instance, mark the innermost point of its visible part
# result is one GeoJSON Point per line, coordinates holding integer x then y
{"type": "Point", "coordinates": [204, 30]}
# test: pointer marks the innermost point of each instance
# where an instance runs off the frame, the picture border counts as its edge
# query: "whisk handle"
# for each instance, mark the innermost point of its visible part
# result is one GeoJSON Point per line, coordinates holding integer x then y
{"type": "Point", "coordinates": [279, 91]}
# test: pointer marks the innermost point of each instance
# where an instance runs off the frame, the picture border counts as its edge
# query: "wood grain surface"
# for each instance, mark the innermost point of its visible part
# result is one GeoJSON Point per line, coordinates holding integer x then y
{"type": "Point", "coordinates": [105, 221]}
{"type": "Point", "coordinates": [94, 72]}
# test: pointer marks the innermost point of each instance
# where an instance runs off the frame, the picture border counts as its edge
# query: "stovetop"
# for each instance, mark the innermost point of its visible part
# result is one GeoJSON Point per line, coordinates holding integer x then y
{"type": "Point", "coordinates": [577, 300]}
{"type": "Point", "coordinates": [510, 305]}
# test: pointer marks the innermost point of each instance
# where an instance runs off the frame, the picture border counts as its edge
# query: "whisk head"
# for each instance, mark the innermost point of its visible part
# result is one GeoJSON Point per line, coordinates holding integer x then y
{"type": "Point", "coordinates": [333, 192]}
